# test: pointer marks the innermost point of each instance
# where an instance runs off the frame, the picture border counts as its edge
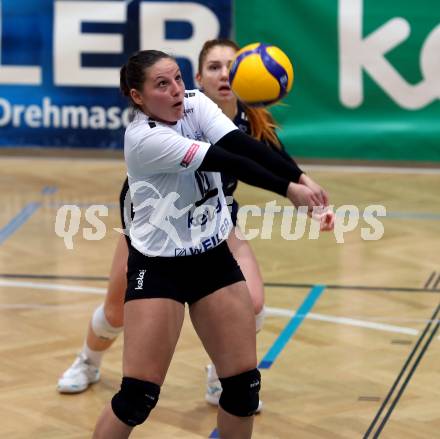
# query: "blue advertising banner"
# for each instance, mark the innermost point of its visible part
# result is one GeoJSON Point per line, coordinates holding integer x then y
{"type": "Point", "coordinates": [60, 61]}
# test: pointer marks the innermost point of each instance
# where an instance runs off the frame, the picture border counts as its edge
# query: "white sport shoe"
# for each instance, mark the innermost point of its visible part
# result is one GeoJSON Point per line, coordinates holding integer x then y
{"type": "Point", "coordinates": [214, 388]}
{"type": "Point", "coordinates": [78, 377]}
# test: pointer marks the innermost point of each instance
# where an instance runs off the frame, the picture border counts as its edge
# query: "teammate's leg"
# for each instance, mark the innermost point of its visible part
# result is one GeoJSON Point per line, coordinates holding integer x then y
{"type": "Point", "coordinates": [105, 325]}
{"type": "Point", "coordinates": [243, 254]}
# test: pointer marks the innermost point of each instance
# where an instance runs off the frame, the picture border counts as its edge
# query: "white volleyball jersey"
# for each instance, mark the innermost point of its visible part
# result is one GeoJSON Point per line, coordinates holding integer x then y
{"type": "Point", "coordinates": [178, 210]}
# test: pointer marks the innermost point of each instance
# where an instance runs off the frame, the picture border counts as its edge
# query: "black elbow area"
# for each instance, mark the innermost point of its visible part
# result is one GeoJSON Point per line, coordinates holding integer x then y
{"type": "Point", "coordinates": [233, 138]}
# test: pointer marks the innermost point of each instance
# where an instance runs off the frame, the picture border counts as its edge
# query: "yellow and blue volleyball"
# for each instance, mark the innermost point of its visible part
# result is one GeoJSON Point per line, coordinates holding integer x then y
{"type": "Point", "coordinates": [260, 74]}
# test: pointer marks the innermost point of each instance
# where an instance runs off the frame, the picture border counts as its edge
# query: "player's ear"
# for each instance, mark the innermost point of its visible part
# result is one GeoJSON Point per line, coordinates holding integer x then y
{"type": "Point", "coordinates": [199, 80]}
{"type": "Point", "coordinates": [136, 96]}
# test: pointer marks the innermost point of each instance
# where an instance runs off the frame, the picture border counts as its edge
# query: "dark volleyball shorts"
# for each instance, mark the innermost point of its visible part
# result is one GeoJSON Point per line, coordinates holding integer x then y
{"type": "Point", "coordinates": [184, 279]}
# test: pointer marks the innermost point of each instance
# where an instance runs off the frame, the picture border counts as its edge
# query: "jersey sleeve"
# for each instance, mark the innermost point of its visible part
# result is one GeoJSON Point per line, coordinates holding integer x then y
{"type": "Point", "coordinates": [160, 149]}
{"type": "Point", "coordinates": [212, 121]}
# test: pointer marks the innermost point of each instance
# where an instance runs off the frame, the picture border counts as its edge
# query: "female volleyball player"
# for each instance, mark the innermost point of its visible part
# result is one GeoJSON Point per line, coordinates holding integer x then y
{"type": "Point", "coordinates": [215, 59]}
{"type": "Point", "coordinates": [107, 320]}
{"type": "Point", "coordinates": [175, 147]}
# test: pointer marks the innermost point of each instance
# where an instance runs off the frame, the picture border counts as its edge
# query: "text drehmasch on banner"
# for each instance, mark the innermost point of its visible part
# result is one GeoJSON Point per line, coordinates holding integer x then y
{"type": "Point", "coordinates": [60, 61]}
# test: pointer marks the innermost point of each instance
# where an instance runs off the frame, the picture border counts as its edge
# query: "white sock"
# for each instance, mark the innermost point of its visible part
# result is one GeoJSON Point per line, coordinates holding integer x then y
{"type": "Point", "coordinates": [93, 357]}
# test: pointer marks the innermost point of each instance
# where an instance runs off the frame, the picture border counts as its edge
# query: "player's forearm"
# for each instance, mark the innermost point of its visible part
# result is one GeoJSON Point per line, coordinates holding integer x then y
{"type": "Point", "coordinates": [241, 144]}
{"type": "Point", "coordinates": [283, 153]}
{"type": "Point", "coordinates": [250, 172]}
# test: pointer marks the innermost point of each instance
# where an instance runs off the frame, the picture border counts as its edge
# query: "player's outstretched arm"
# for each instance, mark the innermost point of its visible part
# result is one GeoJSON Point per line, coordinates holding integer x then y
{"type": "Point", "coordinates": [239, 143]}
{"type": "Point", "coordinates": [317, 190]}
{"type": "Point", "coordinates": [217, 159]}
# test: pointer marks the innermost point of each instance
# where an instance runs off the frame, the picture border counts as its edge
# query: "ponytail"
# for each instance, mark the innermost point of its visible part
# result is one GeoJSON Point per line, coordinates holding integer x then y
{"type": "Point", "coordinates": [262, 125]}
{"type": "Point", "coordinates": [125, 90]}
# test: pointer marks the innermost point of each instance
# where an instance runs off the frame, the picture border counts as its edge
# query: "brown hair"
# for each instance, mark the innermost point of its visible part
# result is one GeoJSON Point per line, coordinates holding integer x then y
{"type": "Point", "coordinates": [133, 72]}
{"type": "Point", "coordinates": [263, 125]}
{"type": "Point", "coordinates": [214, 43]}
{"type": "Point", "coordinates": [261, 121]}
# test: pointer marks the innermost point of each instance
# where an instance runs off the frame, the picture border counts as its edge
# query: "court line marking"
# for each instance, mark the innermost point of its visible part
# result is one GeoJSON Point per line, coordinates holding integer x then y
{"type": "Point", "coordinates": [267, 284]}
{"type": "Point", "coordinates": [372, 169]}
{"type": "Point", "coordinates": [54, 276]}
{"type": "Point", "coordinates": [214, 434]}
{"type": "Point", "coordinates": [291, 328]}
{"type": "Point", "coordinates": [26, 306]}
{"type": "Point", "coordinates": [25, 213]}
{"type": "Point", "coordinates": [49, 190]}
{"type": "Point", "coordinates": [271, 312]}
{"type": "Point", "coordinates": [53, 287]}
{"type": "Point", "coordinates": [344, 321]}
{"type": "Point", "coordinates": [58, 306]}
{"type": "Point", "coordinates": [354, 287]}
{"type": "Point", "coordinates": [400, 376]}
{"type": "Point", "coordinates": [406, 382]}
{"type": "Point", "coordinates": [18, 220]}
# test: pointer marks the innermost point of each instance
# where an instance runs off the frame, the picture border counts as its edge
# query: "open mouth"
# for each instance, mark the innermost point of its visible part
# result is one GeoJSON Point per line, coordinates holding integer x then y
{"type": "Point", "coordinates": [177, 104]}
{"type": "Point", "coordinates": [225, 88]}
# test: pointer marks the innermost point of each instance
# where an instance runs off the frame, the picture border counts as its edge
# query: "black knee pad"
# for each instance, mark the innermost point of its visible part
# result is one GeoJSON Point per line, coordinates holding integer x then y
{"type": "Point", "coordinates": [240, 393]}
{"type": "Point", "coordinates": [134, 402]}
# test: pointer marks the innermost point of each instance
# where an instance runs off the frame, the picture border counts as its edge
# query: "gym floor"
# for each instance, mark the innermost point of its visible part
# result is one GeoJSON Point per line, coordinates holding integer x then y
{"type": "Point", "coordinates": [359, 359]}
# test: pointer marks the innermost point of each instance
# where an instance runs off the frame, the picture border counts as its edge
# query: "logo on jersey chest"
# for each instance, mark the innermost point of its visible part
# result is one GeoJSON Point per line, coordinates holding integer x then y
{"type": "Point", "coordinates": [202, 214]}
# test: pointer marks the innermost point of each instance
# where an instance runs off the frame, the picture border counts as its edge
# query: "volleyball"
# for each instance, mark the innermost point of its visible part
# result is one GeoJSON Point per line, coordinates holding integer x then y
{"type": "Point", "coordinates": [260, 74]}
